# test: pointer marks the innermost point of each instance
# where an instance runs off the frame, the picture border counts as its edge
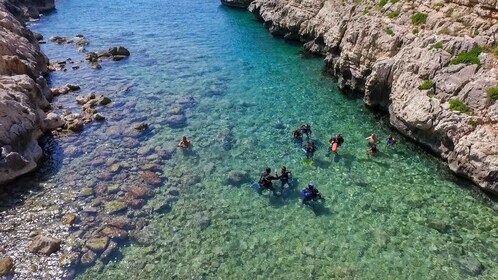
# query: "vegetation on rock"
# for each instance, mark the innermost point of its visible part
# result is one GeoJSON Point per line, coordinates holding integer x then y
{"type": "Point", "coordinates": [437, 46]}
{"type": "Point", "coordinates": [471, 56]}
{"type": "Point", "coordinates": [427, 84]}
{"type": "Point", "coordinates": [393, 14]}
{"type": "Point", "coordinates": [419, 18]}
{"type": "Point", "coordinates": [457, 105]}
{"type": "Point", "coordinates": [492, 93]}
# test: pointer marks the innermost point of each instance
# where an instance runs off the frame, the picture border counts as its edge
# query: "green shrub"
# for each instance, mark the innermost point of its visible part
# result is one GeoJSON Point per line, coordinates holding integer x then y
{"type": "Point", "coordinates": [472, 122]}
{"type": "Point", "coordinates": [393, 14]}
{"type": "Point", "coordinates": [471, 56]}
{"type": "Point", "coordinates": [394, 1]}
{"type": "Point", "coordinates": [365, 12]}
{"type": "Point", "coordinates": [427, 84]}
{"type": "Point", "coordinates": [457, 105]}
{"type": "Point", "coordinates": [382, 3]}
{"type": "Point", "coordinates": [415, 31]}
{"type": "Point", "coordinates": [419, 18]}
{"type": "Point", "coordinates": [493, 93]}
{"type": "Point", "coordinates": [390, 31]}
{"type": "Point", "coordinates": [437, 46]}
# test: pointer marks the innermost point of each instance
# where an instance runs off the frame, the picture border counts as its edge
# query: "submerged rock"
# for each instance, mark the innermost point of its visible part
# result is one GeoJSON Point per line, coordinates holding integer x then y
{"type": "Point", "coordinates": [97, 244]}
{"type": "Point", "coordinates": [115, 233]}
{"type": "Point", "coordinates": [111, 248]}
{"type": "Point", "coordinates": [115, 206]}
{"type": "Point", "coordinates": [88, 258]}
{"type": "Point", "coordinates": [470, 265]}
{"type": "Point", "coordinates": [6, 265]}
{"type": "Point", "coordinates": [140, 192]}
{"type": "Point", "coordinates": [141, 126]}
{"type": "Point", "coordinates": [44, 245]}
{"type": "Point", "coordinates": [238, 177]}
{"type": "Point", "coordinates": [150, 177]}
{"type": "Point", "coordinates": [176, 121]}
{"type": "Point", "coordinates": [69, 219]}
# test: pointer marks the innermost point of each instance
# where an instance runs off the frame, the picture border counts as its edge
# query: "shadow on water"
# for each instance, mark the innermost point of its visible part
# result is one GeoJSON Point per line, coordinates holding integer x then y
{"type": "Point", "coordinates": [319, 208]}
{"type": "Point", "coordinates": [16, 192]}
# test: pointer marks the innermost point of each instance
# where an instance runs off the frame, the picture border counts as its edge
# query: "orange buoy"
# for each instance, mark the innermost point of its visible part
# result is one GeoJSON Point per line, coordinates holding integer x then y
{"type": "Point", "coordinates": [334, 147]}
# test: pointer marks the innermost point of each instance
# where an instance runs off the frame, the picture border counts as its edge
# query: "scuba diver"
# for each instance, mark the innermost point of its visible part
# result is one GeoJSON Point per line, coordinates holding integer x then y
{"type": "Point", "coordinates": [285, 177]}
{"type": "Point", "coordinates": [339, 139]}
{"type": "Point", "coordinates": [265, 181]}
{"type": "Point", "coordinates": [298, 136]}
{"type": "Point", "coordinates": [336, 142]}
{"type": "Point", "coordinates": [310, 193]}
{"type": "Point", "coordinates": [306, 129]}
{"type": "Point", "coordinates": [310, 149]}
{"type": "Point", "coordinates": [391, 141]}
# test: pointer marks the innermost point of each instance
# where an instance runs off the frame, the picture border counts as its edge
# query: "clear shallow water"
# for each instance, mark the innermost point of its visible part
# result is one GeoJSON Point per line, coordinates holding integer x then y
{"type": "Point", "coordinates": [400, 215]}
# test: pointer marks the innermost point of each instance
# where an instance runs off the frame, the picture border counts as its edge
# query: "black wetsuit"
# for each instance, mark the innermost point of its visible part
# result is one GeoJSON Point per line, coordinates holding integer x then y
{"type": "Point", "coordinates": [306, 129]}
{"type": "Point", "coordinates": [265, 182]}
{"type": "Point", "coordinates": [310, 150]}
{"type": "Point", "coordinates": [339, 140]}
{"type": "Point", "coordinates": [285, 177]}
{"type": "Point", "coordinates": [311, 194]}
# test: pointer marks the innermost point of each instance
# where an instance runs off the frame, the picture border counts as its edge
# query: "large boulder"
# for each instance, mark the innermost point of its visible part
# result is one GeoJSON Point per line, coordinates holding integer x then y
{"type": "Point", "coordinates": [6, 265]}
{"type": "Point", "coordinates": [44, 245]}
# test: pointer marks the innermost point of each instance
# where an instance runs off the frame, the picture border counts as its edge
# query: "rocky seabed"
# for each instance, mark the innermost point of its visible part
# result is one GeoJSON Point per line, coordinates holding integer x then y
{"type": "Point", "coordinates": [53, 227]}
{"type": "Point", "coordinates": [389, 49]}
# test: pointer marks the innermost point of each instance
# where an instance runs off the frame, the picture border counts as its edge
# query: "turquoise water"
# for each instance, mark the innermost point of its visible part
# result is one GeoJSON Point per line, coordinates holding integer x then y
{"type": "Point", "coordinates": [399, 215]}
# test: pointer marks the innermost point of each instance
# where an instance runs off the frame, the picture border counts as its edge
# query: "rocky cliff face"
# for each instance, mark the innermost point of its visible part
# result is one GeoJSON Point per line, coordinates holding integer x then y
{"type": "Point", "coordinates": [431, 64]}
{"type": "Point", "coordinates": [24, 93]}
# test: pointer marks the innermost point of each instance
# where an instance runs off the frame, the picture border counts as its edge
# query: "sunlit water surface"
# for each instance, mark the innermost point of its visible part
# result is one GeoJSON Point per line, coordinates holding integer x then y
{"type": "Point", "coordinates": [400, 215]}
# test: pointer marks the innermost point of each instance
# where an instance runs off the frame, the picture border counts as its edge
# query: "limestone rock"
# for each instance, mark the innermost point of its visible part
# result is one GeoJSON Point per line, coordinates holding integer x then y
{"type": "Point", "coordinates": [52, 121]}
{"type": "Point", "coordinates": [97, 244]}
{"type": "Point", "coordinates": [115, 233]}
{"type": "Point", "coordinates": [119, 51]}
{"type": "Point", "coordinates": [44, 245]}
{"type": "Point", "coordinates": [88, 258]}
{"type": "Point", "coordinates": [69, 219]}
{"type": "Point", "coordinates": [6, 265]}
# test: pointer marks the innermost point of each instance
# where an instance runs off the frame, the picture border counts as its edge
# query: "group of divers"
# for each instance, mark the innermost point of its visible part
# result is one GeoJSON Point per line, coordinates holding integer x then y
{"type": "Point", "coordinates": [310, 192]}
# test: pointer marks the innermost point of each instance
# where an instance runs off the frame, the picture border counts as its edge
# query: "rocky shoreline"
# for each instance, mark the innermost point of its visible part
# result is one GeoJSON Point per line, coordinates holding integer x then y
{"type": "Point", "coordinates": [49, 227]}
{"type": "Point", "coordinates": [24, 94]}
{"type": "Point", "coordinates": [431, 64]}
